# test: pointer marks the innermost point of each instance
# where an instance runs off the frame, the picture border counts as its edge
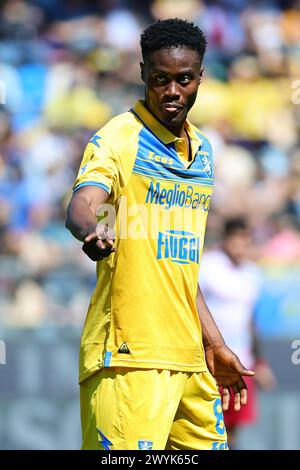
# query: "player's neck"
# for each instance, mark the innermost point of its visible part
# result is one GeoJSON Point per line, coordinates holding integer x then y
{"type": "Point", "coordinates": [178, 131]}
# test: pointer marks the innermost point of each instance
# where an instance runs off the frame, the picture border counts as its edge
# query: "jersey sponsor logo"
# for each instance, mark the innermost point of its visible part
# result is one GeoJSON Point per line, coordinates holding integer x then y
{"type": "Point", "coordinates": [219, 446]}
{"type": "Point", "coordinates": [157, 158]}
{"type": "Point", "coordinates": [177, 196]}
{"type": "Point", "coordinates": [123, 349]}
{"type": "Point", "coordinates": [178, 246]}
{"type": "Point", "coordinates": [103, 440]}
{"type": "Point", "coordinates": [145, 445]}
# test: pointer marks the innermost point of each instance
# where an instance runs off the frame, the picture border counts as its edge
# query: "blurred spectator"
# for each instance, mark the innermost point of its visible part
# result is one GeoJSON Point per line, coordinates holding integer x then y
{"type": "Point", "coordinates": [230, 283]}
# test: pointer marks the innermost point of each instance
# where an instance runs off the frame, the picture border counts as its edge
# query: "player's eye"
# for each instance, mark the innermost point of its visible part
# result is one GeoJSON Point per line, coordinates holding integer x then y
{"type": "Point", "coordinates": [160, 79]}
{"type": "Point", "coordinates": [185, 79]}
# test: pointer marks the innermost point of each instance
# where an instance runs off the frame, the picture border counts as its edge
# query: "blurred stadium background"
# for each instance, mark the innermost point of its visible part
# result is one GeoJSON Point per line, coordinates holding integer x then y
{"type": "Point", "coordinates": [67, 67]}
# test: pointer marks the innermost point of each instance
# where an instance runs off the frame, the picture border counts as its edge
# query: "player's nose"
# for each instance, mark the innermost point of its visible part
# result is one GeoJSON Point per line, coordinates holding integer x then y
{"type": "Point", "coordinates": [172, 90]}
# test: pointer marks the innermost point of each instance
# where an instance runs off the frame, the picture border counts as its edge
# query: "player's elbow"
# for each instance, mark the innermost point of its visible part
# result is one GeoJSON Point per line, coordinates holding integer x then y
{"type": "Point", "coordinates": [68, 223]}
{"type": "Point", "coordinates": [73, 229]}
{"type": "Point", "coordinates": [68, 219]}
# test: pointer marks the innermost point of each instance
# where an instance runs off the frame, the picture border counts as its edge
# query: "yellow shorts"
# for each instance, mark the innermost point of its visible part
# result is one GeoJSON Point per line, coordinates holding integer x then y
{"type": "Point", "coordinates": [128, 409]}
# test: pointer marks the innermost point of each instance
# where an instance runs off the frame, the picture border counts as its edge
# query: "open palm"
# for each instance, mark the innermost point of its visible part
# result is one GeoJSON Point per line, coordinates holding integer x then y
{"type": "Point", "coordinates": [227, 369]}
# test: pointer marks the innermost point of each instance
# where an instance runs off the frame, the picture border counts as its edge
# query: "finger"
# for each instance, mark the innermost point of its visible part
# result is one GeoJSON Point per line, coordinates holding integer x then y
{"type": "Point", "coordinates": [107, 247]}
{"type": "Point", "coordinates": [244, 396]}
{"type": "Point", "coordinates": [225, 398]}
{"type": "Point", "coordinates": [242, 387]}
{"type": "Point", "coordinates": [237, 397]}
{"type": "Point", "coordinates": [238, 366]}
{"type": "Point", "coordinates": [113, 249]}
{"type": "Point", "coordinates": [249, 373]}
{"type": "Point", "coordinates": [90, 237]}
{"type": "Point", "coordinates": [109, 242]}
{"type": "Point", "coordinates": [101, 245]}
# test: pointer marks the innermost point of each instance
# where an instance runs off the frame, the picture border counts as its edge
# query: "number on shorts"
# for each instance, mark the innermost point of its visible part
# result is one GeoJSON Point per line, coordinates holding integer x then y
{"type": "Point", "coordinates": [220, 426]}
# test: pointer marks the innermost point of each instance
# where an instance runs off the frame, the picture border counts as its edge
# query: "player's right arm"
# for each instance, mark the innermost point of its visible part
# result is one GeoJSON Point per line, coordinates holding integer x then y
{"type": "Point", "coordinates": [104, 171]}
{"type": "Point", "coordinates": [82, 222]}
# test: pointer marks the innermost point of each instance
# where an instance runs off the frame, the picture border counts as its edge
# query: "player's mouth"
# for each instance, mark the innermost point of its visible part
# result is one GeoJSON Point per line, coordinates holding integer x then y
{"type": "Point", "coordinates": [172, 107]}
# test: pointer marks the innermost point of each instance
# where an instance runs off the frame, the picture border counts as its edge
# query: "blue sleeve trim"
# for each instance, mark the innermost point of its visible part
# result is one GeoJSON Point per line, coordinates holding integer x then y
{"type": "Point", "coordinates": [92, 183]}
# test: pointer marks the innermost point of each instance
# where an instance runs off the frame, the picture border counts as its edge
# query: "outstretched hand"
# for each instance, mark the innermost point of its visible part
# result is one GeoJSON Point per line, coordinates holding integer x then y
{"type": "Point", "coordinates": [99, 243]}
{"type": "Point", "coordinates": [228, 371]}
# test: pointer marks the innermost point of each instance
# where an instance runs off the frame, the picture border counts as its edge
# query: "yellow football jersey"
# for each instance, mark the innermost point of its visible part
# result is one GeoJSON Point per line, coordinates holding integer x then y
{"type": "Point", "coordinates": [143, 311]}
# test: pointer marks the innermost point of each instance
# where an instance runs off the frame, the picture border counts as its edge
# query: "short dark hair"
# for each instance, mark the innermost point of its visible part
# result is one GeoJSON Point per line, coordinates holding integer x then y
{"type": "Point", "coordinates": [172, 32]}
{"type": "Point", "coordinates": [234, 225]}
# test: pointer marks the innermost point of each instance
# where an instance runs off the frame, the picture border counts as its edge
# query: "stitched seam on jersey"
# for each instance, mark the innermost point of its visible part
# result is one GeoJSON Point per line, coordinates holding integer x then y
{"type": "Point", "coordinates": [173, 167]}
{"type": "Point", "coordinates": [186, 178]}
{"type": "Point", "coordinates": [142, 175]}
{"type": "Point", "coordinates": [121, 414]}
{"type": "Point", "coordinates": [131, 172]}
{"type": "Point", "coordinates": [154, 362]}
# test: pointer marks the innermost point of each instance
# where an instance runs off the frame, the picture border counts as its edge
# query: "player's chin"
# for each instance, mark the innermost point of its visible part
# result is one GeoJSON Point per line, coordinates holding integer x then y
{"type": "Point", "coordinates": [174, 119]}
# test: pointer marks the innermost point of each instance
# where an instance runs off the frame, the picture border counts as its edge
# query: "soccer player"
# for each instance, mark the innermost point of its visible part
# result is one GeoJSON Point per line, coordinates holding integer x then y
{"type": "Point", "coordinates": [151, 355]}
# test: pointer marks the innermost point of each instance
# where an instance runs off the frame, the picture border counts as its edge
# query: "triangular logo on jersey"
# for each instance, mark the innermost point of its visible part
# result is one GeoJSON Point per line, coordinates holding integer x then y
{"type": "Point", "coordinates": [123, 349]}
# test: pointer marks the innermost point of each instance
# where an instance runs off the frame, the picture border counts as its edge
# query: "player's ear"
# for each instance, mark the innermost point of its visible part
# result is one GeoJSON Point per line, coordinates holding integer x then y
{"type": "Point", "coordinates": [201, 75]}
{"type": "Point", "coordinates": [142, 65]}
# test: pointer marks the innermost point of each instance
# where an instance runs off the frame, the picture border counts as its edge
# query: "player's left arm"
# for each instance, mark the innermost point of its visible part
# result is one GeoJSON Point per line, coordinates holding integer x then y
{"type": "Point", "coordinates": [223, 364]}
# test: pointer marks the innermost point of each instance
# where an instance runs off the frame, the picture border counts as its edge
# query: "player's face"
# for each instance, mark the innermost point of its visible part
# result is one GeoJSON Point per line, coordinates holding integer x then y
{"type": "Point", "coordinates": [237, 246]}
{"type": "Point", "coordinates": [172, 77]}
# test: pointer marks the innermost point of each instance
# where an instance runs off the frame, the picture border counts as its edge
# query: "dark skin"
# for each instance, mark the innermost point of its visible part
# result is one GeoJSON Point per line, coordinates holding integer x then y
{"type": "Point", "coordinates": [172, 77]}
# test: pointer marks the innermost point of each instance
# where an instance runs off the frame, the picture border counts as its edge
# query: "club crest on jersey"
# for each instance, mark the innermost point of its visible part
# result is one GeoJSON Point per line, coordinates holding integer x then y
{"type": "Point", "coordinates": [207, 164]}
{"type": "Point", "coordinates": [178, 246]}
{"type": "Point", "coordinates": [145, 445]}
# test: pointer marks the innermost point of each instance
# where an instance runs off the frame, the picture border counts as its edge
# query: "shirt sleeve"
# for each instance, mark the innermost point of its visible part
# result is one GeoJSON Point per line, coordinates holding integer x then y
{"type": "Point", "coordinates": [100, 167]}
